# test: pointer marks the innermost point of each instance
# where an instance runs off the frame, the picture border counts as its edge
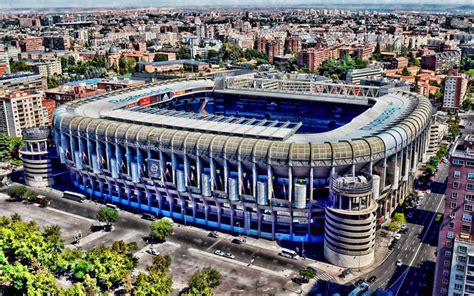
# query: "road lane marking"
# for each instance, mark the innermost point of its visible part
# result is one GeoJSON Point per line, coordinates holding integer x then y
{"type": "Point", "coordinates": [215, 243]}
{"type": "Point", "coordinates": [404, 274]}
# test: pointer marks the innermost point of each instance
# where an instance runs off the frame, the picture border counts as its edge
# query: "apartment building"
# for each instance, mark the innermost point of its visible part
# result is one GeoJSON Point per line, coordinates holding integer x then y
{"type": "Point", "coordinates": [354, 76]}
{"type": "Point", "coordinates": [453, 266]}
{"type": "Point", "coordinates": [47, 68]}
{"type": "Point", "coordinates": [31, 43]}
{"type": "Point", "coordinates": [455, 88]}
{"type": "Point", "coordinates": [313, 58]}
{"type": "Point", "coordinates": [441, 62]}
{"type": "Point", "coordinates": [29, 81]}
{"type": "Point", "coordinates": [20, 110]}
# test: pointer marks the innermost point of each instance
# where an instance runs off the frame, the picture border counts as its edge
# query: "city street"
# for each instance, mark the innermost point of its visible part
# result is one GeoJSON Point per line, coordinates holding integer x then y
{"type": "Point", "coordinates": [416, 249]}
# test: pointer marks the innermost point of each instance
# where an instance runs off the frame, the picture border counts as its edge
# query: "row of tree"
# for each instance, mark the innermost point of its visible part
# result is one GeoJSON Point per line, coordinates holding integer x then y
{"type": "Point", "coordinates": [9, 149]}
{"type": "Point", "coordinates": [31, 259]}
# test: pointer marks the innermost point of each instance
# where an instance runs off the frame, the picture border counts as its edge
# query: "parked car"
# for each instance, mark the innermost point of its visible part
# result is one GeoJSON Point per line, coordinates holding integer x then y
{"type": "Point", "coordinates": [237, 241]}
{"type": "Point", "coordinates": [213, 234]}
{"type": "Point", "coordinates": [152, 251]}
{"type": "Point", "coordinates": [312, 269]}
{"type": "Point", "coordinates": [219, 253]}
{"type": "Point", "coordinates": [297, 280]}
{"type": "Point", "coordinates": [397, 236]}
{"type": "Point", "coordinates": [229, 255]}
{"type": "Point", "coordinates": [399, 262]}
{"type": "Point", "coordinates": [372, 279]}
{"type": "Point", "coordinates": [150, 217]}
{"type": "Point", "coordinates": [359, 282]}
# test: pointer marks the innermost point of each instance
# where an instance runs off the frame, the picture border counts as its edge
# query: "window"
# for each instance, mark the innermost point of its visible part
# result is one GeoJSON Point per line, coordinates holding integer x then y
{"type": "Point", "coordinates": [458, 162]}
{"type": "Point", "coordinates": [459, 277]}
{"type": "Point", "coordinates": [468, 208]}
{"type": "Point", "coordinates": [445, 281]}
{"type": "Point", "coordinates": [462, 249]}
{"type": "Point", "coordinates": [444, 290]}
{"type": "Point", "coordinates": [455, 184]}
{"type": "Point", "coordinates": [457, 286]}
{"type": "Point", "coordinates": [449, 244]}
{"type": "Point", "coordinates": [466, 218]}
{"type": "Point", "coordinates": [447, 254]}
{"type": "Point", "coordinates": [451, 224]}
{"type": "Point", "coordinates": [452, 214]}
{"type": "Point", "coordinates": [457, 174]}
{"type": "Point", "coordinates": [454, 194]}
{"type": "Point", "coordinates": [460, 267]}
{"type": "Point", "coordinates": [469, 197]}
{"type": "Point", "coordinates": [465, 228]}
{"type": "Point", "coordinates": [453, 205]}
{"type": "Point", "coordinates": [461, 259]}
{"type": "Point", "coordinates": [470, 176]}
{"type": "Point", "coordinates": [470, 163]}
{"type": "Point", "coordinates": [450, 234]}
{"type": "Point", "coordinates": [447, 263]}
{"type": "Point", "coordinates": [470, 187]}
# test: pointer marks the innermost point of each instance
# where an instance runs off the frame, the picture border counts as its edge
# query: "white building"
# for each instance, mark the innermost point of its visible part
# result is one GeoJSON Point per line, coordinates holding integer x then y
{"type": "Point", "coordinates": [20, 110]}
{"type": "Point", "coordinates": [455, 88]}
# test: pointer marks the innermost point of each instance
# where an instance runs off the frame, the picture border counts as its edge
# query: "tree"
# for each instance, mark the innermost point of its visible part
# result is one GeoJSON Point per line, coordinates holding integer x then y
{"type": "Point", "coordinates": [208, 277]}
{"type": "Point", "coordinates": [161, 229]}
{"type": "Point", "coordinates": [17, 192]}
{"type": "Point", "coordinates": [160, 264]}
{"type": "Point", "coordinates": [397, 220]}
{"type": "Point", "coordinates": [405, 71]}
{"type": "Point", "coordinates": [18, 66]}
{"type": "Point", "coordinates": [467, 104]}
{"type": "Point", "coordinates": [160, 57]}
{"type": "Point", "coordinates": [30, 196]}
{"type": "Point", "coordinates": [183, 54]}
{"type": "Point", "coordinates": [107, 215]}
{"type": "Point", "coordinates": [44, 202]}
{"type": "Point", "coordinates": [157, 281]}
{"type": "Point", "coordinates": [306, 273]}
{"type": "Point", "coordinates": [52, 236]}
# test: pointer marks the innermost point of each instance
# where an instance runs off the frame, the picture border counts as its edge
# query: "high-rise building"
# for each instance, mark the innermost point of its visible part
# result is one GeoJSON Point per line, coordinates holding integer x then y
{"type": "Point", "coordinates": [31, 43]}
{"type": "Point", "coordinates": [313, 58]}
{"type": "Point", "coordinates": [20, 110]}
{"type": "Point", "coordinates": [455, 88]}
{"type": "Point", "coordinates": [454, 264]}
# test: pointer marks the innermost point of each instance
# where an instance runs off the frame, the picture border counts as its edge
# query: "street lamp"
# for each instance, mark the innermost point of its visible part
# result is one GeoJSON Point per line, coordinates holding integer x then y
{"type": "Point", "coordinates": [238, 225]}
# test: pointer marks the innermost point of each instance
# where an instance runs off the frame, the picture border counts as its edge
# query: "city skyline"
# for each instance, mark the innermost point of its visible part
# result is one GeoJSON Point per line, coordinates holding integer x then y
{"type": "Point", "coordinates": [246, 3]}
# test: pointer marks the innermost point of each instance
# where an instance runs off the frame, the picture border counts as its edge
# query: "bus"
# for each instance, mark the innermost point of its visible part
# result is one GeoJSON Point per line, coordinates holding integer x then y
{"type": "Point", "coordinates": [74, 196]}
{"type": "Point", "coordinates": [288, 254]}
{"type": "Point", "coordinates": [359, 290]}
{"type": "Point", "coordinates": [112, 206]}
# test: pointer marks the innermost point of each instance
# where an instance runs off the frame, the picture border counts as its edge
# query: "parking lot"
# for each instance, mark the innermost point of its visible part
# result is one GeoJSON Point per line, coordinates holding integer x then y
{"type": "Point", "coordinates": [69, 223]}
{"type": "Point", "coordinates": [238, 276]}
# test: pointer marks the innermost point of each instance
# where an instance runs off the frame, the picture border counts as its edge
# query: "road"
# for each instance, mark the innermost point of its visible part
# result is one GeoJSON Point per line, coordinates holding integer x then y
{"type": "Point", "coordinates": [416, 249]}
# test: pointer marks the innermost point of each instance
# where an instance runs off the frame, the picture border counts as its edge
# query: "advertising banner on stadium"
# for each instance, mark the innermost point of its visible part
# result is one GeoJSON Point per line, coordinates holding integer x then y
{"type": "Point", "coordinates": [153, 168]}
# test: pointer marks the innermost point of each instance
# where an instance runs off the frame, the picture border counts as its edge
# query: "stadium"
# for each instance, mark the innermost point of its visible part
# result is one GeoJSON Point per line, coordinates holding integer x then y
{"type": "Point", "coordinates": [289, 160]}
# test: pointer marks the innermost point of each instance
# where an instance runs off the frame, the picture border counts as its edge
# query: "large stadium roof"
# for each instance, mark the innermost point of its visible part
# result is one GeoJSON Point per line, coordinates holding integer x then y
{"type": "Point", "coordinates": [392, 121]}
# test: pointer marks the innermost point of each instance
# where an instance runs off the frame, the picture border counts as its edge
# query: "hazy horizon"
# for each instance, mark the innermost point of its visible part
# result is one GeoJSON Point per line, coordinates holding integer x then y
{"type": "Point", "coordinates": [31, 4]}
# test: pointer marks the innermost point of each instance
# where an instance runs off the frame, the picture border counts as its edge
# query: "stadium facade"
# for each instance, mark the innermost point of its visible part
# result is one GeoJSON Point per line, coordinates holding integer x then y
{"type": "Point", "coordinates": [268, 158]}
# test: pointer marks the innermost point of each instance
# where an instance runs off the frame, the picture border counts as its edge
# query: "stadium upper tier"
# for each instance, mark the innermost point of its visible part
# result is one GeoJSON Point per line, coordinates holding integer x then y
{"type": "Point", "coordinates": [302, 123]}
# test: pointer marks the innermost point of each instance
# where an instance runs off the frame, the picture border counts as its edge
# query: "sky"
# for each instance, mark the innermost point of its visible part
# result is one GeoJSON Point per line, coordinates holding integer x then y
{"type": "Point", "coordinates": [5, 4]}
